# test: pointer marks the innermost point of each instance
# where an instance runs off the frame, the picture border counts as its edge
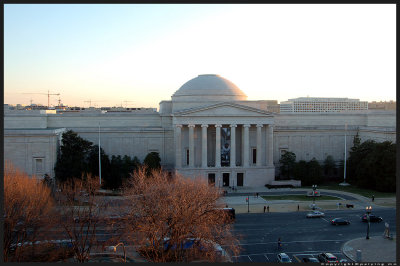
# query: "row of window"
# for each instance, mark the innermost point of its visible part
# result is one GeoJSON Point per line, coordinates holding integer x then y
{"type": "Point", "coordinates": [227, 162]}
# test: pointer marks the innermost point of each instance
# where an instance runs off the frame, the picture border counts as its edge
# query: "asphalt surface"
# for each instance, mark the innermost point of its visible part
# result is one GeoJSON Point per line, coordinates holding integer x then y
{"type": "Point", "coordinates": [301, 237]}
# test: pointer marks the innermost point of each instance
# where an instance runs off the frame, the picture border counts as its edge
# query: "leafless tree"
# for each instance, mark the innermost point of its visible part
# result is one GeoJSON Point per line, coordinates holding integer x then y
{"type": "Point", "coordinates": [80, 214]}
{"type": "Point", "coordinates": [166, 214]}
{"type": "Point", "coordinates": [28, 208]}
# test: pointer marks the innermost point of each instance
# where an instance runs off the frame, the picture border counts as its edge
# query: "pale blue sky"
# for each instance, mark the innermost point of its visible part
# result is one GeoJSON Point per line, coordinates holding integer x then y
{"type": "Point", "coordinates": [143, 53]}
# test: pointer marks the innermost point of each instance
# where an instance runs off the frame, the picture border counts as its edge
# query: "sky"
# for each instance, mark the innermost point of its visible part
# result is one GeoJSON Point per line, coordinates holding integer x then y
{"type": "Point", "coordinates": [136, 55]}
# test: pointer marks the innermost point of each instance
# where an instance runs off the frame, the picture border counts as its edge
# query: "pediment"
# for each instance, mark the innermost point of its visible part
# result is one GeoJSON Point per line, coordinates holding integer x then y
{"type": "Point", "coordinates": [224, 109]}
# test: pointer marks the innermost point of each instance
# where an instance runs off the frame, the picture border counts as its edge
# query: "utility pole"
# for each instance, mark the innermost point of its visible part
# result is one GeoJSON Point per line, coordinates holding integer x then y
{"type": "Point", "coordinates": [99, 156]}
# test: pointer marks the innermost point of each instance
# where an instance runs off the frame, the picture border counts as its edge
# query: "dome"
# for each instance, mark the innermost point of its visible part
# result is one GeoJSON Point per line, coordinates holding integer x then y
{"type": "Point", "coordinates": [209, 87]}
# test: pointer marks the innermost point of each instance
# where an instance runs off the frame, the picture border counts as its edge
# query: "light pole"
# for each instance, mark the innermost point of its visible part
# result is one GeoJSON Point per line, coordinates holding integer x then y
{"type": "Point", "coordinates": [114, 248]}
{"type": "Point", "coordinates": [314, 187]}
{"type": "Point", "coordinates": [368, 209]}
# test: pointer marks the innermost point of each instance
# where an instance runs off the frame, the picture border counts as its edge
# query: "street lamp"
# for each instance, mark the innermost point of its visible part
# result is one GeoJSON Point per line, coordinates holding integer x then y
{"type": "Point", "coordinates": [114, 248]}
{"type": "Point", "coordinates": [314, 187]}
{"type": "Point", "coordinates": [368, 209]}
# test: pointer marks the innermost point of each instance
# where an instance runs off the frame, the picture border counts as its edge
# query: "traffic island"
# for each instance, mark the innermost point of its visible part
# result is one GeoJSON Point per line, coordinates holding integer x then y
{"type": "Point", "coordinates": [374, 249]}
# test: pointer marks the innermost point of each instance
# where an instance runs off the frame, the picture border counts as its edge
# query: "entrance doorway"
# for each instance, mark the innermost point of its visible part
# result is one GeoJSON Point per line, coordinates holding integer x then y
{"type": "Point", "coordinates": [240, 179]}
{"type": "Point", "coordinates": [211, 179]}
{"type": "Point", "coordinates": [225, 179]}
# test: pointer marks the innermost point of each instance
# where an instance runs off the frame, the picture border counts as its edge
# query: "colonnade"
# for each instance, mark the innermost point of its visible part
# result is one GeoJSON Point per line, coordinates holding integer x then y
{"type": "Point", "coordinates": [245, 151]}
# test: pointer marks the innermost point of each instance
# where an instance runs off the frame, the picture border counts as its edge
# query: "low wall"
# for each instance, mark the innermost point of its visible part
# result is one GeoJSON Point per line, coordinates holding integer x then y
{"type": "Point", "coordinates": [295, 183]}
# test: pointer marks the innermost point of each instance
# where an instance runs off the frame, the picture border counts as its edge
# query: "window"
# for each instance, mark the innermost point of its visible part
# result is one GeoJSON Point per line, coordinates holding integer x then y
{"type": "Point", "coordinates": [187, 156]}
{"type": "Point", "coordinates": [211, 179]}
{"type": "Point", "coordinates": [38, 164]}
{"type": "Point", "coordinates": [254, 154]}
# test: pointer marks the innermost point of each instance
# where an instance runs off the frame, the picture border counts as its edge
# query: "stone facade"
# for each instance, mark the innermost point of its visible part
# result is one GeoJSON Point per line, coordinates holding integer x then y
{"type": "Point", "coordinates": [218, 135]}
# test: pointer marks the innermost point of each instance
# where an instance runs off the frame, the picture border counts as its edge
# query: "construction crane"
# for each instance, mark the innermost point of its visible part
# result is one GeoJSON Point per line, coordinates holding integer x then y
{"type": "Point", "coordinates": [90, 102]}
{"type": "Point", "coordinates": [128, 102]}
{"type": "Point", "coordinates": [48, 96]}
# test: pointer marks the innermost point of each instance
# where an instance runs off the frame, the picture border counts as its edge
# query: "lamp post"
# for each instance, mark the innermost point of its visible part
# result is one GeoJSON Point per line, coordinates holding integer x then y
{"type": "Point", "coordinates": [114, 248]}
{"type": "Point", "coordinates": [368, 209]}
{"type": "Point", "coordinates": [314, 187]}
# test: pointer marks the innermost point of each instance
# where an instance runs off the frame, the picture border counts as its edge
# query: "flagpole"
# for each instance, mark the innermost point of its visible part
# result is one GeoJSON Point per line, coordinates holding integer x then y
{"type": "Point", "coordinates": [99, 156]}
{"type": "Point", "coordinates": [345, 156]}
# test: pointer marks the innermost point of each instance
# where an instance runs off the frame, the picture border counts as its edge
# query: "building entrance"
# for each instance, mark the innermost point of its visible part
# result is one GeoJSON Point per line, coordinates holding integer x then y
{"type": "Point", "coordinates": [211, 179]}
{"type": "Point", "coordinates": [225, 179]}
{"type": "Point", "coordinates": [240, 179]}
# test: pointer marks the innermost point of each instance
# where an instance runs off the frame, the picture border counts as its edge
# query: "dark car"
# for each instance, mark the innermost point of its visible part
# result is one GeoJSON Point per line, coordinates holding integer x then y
{"type": "Point", "coordinates": [327, 257]}
{"type": "Point", "coordinates": [339, 221]}
{"type": "Point", "coordinates": [310, 259]}
{"type": "Point", "coordinates": [372, 218]}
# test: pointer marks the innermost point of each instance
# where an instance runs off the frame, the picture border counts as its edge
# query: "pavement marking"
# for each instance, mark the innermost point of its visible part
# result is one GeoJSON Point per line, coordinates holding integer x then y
{"type": "Point", "coordinates": [294, 256]}
{"type": "Point", "coordinates": [250, 258]}
{"type": "Point", "coordinates": [265, 255]}
{"type": "Point", "coordinates": [285, 243]}
{"type": "Point", "coordinates": [325, 219]}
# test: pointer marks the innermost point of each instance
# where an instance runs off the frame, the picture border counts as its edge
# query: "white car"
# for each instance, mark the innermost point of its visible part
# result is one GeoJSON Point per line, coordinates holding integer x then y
{"type": "Point", "coordinates": [315, 214]}
{"type": "Point", "coordinates": [283, 258]}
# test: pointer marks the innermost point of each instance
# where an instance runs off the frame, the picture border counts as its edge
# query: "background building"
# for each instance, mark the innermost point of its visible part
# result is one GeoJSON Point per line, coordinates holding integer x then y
{"type": "Point", "coordinates": [207, 129]}
{"type": "Point", "coordinates": [322, 105]}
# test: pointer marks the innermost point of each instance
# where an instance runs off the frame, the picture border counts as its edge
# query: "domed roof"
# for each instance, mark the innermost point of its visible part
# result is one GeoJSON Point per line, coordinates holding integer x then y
{"type": "Point", "coordinates": [204, 86]}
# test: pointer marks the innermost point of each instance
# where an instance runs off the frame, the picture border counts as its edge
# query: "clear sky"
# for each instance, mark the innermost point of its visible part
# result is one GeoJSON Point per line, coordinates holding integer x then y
{"type": "Point", "coordinates": [137, 55]}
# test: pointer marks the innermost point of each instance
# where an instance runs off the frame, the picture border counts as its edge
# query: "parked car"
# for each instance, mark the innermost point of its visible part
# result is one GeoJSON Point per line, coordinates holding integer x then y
{"type": "Point", "coordinates": [372, 218]}
{"type": "Point", "coordinates": [315, 214]}
{"type": "Point", "coordinates": [339, 221]}
{"type": "Point", "coordinates": [310, 259]}
{"type": "Point", "coordinates": [284, 258]}
{"type": "Point", "coordinates": [327, 257]}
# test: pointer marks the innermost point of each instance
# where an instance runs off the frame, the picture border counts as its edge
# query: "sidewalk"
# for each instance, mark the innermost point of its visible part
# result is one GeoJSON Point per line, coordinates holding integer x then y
{"type": "Point", "coordinates": [375, 249]}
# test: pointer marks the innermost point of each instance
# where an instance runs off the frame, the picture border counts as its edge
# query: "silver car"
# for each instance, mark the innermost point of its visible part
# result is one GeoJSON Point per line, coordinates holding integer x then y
{"type": "Point", "coordinates": [284, 258]}
{"type": "Point", "coordinates": [315, 214]}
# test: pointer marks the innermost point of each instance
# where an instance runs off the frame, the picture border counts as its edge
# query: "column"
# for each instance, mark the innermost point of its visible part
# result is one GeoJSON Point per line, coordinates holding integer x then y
{"type": "Point", "coordinates": [233, 145]}
{"type": "Point", "coordinates": [259, 153]}
{"type": "Point", "coordinates": [218, 146]}
{"type": "Point", "coordinates": [204, 145]}
{"type": "Point", "coordinates": [270, 136]}
{"type": "Point", "coordinates": [191, 145]}
{"type": "Point", "coordinates": [246, 145]}
{"type": "Point", "coordinates": [178, 146]}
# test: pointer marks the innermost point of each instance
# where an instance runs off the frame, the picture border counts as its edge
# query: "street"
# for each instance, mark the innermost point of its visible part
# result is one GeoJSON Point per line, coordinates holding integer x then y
{"type": "Point", "coordinates": [302, 237]}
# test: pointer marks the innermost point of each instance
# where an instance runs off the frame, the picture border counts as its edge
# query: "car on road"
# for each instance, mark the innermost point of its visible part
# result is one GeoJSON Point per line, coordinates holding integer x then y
{"type": "Point", "coordinates": [372, 218]}
{"type": "Point", "coordinates": [315, 214]}
{"type": "Point", "coordinates": [310, 259]}
{"type": "Point", "coordinates": [283, 258]}
{"type": "Point", "coordinates": [339, 221]}
{"type": "Point", "coordinates": [327, 257]}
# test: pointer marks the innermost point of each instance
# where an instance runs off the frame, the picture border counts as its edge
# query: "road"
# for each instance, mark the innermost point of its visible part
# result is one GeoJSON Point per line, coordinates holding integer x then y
{"type": "Point", "coordinates": [302, 237]}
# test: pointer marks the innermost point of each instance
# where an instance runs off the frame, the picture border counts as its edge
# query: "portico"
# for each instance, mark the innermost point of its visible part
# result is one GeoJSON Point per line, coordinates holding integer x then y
{"type": "Point", "coordinates": [227, 143]}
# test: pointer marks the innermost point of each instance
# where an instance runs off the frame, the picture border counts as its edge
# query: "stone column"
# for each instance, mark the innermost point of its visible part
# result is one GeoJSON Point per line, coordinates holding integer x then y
{"type": "Point", "coordinates": [191, 145]}
{"type": "Point", "coordinates": [204, 146]}
{"type": "Point", "coordinates": [218, 146]}
{"type": "Point", "coordinates": [178, 146]}
{"type": "Point", "coordinates": [270, 136]}
{"type": "Point", "coordinates": [258, 159]}
{"type": "Point", "coordinates": [246, 145]}
{"type": "Point", "coordinates": [233, 145]}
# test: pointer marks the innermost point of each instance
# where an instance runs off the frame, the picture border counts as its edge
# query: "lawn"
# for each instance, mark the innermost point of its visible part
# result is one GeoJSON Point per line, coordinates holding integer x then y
{"type": "Point", "coordinates": [299, 197]}
{"type": "Point", "coordinates": [352, 189]}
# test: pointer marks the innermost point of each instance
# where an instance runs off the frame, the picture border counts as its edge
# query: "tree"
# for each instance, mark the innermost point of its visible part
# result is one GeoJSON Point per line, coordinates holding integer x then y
{"type": "Point", "coordinates": [329, 166]}
{"type": "Point", "coordinates": [72, 160]}
{"type": "Point", "coordinates": [152, 161]}
{"type": "Point", "coordinates": [300, 171]}
{"type": "Point", "coordinates": [314, 172]}
{"type": "Point", "coordinates": [373, 165]}
{"type": "Point", "coordinates": [287, 162]}
{"type": "Point", "coordinates": [28, 208]}
{"type": "Point", "coordinates": [80, 214]}
{"type": "Point", "coordinates": [175, 210]}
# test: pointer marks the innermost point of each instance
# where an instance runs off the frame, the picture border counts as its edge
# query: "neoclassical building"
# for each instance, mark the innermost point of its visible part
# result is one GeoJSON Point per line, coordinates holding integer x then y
{"type": "Point", "coordinates": [207, 129]}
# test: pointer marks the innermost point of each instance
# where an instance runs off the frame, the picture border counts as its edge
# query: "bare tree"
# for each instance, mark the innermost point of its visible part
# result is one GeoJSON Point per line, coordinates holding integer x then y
{"type": "Point", "coordinates": [28, 207]}
{"type": "Point", "coordinates": [177, 219]}
{"type": "Point", "coordinates": [80, 214]}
